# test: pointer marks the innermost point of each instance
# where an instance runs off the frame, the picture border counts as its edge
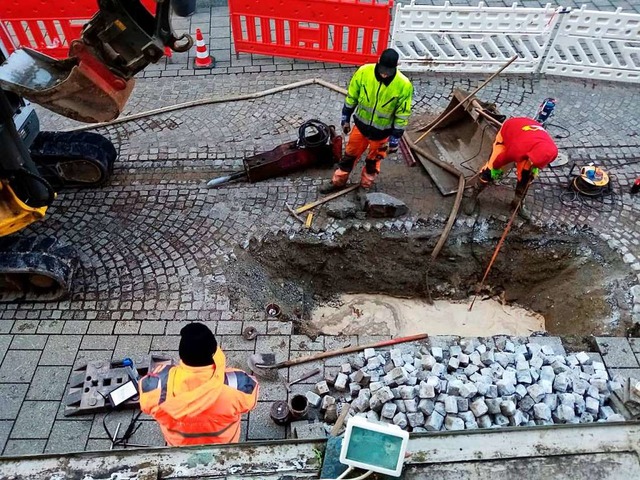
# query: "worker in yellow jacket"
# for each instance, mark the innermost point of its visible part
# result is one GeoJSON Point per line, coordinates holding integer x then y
{"type": "Point", "coordinates": [379, 98]}
{"type": "Point", "coordinates": [199, 400]}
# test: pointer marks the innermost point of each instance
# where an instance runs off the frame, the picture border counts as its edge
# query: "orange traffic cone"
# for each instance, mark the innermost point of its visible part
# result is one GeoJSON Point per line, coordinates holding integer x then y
{"type": "Point", "coordinates": [203, 59]}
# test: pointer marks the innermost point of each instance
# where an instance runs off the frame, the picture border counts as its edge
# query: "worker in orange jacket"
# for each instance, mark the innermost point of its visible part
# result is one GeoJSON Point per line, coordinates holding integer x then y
{"type": "Point", "coordinates": [199, 400]}
{"type": "Point", "coordinates": [526, 143]}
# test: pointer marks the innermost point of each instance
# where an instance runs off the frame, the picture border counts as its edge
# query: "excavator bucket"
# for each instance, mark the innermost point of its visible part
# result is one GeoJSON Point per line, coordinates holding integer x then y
{"type": "Point", "coordinates": [84, 91]}
{"type": "Point", "coordinates": [464, 139]}
{"type": "Point", "coordinates": [95, 82]}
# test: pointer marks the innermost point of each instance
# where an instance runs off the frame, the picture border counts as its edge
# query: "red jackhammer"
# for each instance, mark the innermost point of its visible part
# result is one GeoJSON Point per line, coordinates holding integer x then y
{"type": "Point", "coordinates": [317, 145]}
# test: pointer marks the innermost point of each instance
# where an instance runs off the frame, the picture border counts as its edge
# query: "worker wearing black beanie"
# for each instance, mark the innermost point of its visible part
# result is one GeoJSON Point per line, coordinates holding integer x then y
{"type": "Point", "coordinates": [197, 345]}
{"type": "Point", "coordinates": [199, 400]}
{"type": "Point", "coordinates": [379, 99]}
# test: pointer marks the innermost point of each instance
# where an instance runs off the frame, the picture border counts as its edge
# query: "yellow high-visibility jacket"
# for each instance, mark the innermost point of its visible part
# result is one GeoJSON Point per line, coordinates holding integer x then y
{"type": "Point", "coordinates": [380, 110]}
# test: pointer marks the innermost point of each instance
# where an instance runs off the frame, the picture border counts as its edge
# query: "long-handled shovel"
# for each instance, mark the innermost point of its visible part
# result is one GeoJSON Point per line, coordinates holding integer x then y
{"type": "Point", "coordinates": [261, 364]}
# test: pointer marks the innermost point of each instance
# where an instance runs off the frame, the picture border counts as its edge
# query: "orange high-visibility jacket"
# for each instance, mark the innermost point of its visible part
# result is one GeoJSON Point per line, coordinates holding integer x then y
{"type": "Point", "coordinates": [197, 405]}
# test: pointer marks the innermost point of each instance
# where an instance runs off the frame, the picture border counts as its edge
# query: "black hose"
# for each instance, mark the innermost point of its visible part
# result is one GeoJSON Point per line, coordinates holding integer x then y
{"type": "Point", "coordinates": [559, 137]}
{"type": "Point", "coordinates": [317, 139]}
{"type": "Point", "coordinates": [464, 162]}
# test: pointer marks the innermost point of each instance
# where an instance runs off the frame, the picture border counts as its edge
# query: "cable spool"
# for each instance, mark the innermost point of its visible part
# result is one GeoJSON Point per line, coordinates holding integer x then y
{"type": "Point", "coordinates": [592, 182]}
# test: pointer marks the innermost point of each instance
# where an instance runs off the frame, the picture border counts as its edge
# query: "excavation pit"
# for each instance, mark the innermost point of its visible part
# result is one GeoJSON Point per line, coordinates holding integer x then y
{"type": "Point", "coordinates": [374, 314]}
{"type": "Point", "coordinates": [366, 282]}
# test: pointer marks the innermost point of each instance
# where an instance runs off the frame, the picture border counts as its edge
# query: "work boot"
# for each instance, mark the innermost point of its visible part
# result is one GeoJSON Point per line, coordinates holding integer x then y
{"type": "Point", "coordinates": [524, 212]}
{"type": "Point", "coordinates": [470, 199]}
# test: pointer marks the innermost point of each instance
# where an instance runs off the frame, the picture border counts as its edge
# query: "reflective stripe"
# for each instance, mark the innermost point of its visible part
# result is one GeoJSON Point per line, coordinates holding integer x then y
{"type": "Point", "coordinates": [202, 434]}
{"type": "Point", "coordinates": [377, 113]}
{"type": "Point", "coordinates": [244, 383]}
{"type": "Point", "coordinates": [378, 125]}
{"type": "Point", "coordinates": [231, 380]}
{"type": "Point", "coordinates": [382, 115]}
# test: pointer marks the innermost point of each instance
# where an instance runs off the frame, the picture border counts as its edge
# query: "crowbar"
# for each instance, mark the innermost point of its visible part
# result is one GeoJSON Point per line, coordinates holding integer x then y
{"type": "Point", "coordinates": [500, 242]}
{"type": "Point", "coordinates": [305, 376]}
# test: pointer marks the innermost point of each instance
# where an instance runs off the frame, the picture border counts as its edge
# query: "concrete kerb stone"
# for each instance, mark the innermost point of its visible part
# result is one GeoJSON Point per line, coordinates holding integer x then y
{"type": "Point", "coordinates": [303, 430]}
{"type": "Point", "coordinates": [616, 352]}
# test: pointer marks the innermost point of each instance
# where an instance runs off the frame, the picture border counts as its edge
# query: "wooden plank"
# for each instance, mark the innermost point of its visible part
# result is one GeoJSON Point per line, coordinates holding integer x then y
{"type": "Point", "coordinates": [326, 199]}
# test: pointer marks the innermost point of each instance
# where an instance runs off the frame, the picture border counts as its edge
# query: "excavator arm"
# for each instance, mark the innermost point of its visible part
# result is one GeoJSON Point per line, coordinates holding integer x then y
{"type": "Point", "coordinates": [91, 85]}
{"type": "Point", "coordinates": [95, 82]}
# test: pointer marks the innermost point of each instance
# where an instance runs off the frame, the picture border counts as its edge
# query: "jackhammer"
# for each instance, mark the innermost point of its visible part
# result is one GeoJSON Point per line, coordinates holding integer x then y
{"type": "Point", "coordinates": [317, 145]}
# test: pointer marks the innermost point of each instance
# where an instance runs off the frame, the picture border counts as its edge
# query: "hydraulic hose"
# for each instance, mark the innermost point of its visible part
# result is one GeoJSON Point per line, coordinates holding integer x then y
{"type": "Point", "coordinates": [321, 137]}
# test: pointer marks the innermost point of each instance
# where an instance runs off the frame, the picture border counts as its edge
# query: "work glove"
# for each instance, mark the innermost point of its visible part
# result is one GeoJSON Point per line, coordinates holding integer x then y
{"type": "Point", "coordinates": [344, 121]}
{"type": "Point", "coordinates": [394, 143]}
{"type": "Point", "coordinates": [535, 171]}
{"type": "Point", "coordinates": [496, 174]}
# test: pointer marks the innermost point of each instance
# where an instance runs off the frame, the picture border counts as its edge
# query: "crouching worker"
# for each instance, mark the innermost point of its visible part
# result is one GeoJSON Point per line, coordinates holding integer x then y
{"type": "Point", "coordinates": [526, 143]}
{"type": "Point", "coordinates": [199, 400]}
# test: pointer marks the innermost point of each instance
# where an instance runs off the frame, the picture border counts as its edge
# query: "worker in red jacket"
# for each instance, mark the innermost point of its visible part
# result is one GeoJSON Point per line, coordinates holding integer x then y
{"type": "Point", "coordinates": [526, 143]}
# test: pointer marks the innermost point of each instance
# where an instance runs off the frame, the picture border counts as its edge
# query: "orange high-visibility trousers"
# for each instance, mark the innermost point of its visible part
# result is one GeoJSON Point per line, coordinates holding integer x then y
{"type": "Point", "coordinates": [499, 159]}
{"type": "Point", "coordinates": [356, 146]}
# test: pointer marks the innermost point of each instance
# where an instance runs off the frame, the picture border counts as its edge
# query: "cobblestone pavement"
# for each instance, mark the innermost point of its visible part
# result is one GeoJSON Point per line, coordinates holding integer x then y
{"type": "Point", "coordinates": [155, 244]}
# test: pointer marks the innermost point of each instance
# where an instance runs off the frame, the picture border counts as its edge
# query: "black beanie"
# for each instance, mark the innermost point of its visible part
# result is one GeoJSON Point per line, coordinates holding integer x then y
{"type": "Point", "coordinates": [388, 61]}
{"type": "Point", "coordinates": [197, 345]}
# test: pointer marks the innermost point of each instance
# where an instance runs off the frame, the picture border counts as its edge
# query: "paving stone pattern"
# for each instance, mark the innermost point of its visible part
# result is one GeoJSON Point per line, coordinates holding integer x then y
{"type": "Point", "coordinates": [155, 245]}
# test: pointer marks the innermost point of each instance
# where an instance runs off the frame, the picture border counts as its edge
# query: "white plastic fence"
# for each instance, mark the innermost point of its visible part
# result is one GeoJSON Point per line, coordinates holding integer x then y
{"type": "Point", "coordinates": [554, 40]}
{"type": "Point", "coordinates": [471, 39]}
{"type": "Point", "coordinates": [594, 44]}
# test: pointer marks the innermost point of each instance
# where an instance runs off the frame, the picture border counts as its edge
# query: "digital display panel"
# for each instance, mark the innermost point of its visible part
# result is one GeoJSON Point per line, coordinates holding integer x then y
{"type": "Point", "coordinates": [374, 448]}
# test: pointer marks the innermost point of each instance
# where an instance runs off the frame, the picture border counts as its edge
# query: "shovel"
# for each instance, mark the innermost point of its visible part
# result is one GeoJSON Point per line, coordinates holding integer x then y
{"type": "Point", "coordinates": [263, 364]}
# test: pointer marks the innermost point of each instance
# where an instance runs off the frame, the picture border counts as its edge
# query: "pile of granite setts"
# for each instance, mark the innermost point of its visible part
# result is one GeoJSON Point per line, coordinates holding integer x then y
{"type": "Point", "coordinates": [469, 386]}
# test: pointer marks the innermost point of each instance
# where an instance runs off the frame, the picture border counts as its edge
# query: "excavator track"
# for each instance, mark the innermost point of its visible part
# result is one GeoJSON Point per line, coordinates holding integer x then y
{"type": "Point", "coordinates": [37, 269]}
{"type": "Point", "coordinates": [73, 159]}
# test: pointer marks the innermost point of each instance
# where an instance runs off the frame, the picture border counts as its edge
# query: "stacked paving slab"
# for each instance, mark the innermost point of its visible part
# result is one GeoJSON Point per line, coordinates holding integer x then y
{"type": "Point", "coordinates": [470, 386]}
